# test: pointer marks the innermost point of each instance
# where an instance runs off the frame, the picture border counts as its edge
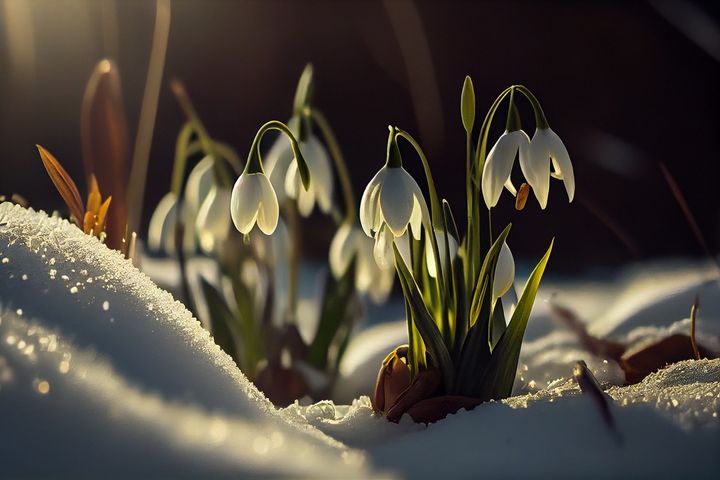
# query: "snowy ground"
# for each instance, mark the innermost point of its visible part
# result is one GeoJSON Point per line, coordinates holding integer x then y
{"type": "Point", "coordinates": [103, 373]}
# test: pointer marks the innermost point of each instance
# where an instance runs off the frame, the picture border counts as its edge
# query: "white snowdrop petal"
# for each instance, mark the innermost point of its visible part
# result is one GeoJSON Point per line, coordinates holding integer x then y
{"type": "Point", "coordinates": [510, 187]}
{"type": "Point", "coordinates": [416, 219]}
{"type": "Point", "coordinates": [162, 225]}
{"type": "Point", "coordinates": [246, 199]}
{"type": "Point", "coordinates": [269, 210]}
{"type": "Point", "coordinates": [199, 182]}
{"type": "Point", "coordinates": [368, 203]}
{"type": "Point", "coordinates": [563, 165]}
{"type": "Point", "coordinates": [498, 166]}
{"type": "Point", "coordinates": [396, 200]}
{"type": "Point", "coordinates": [430, 255]}
{"type": "Point", "coordinates": [504, 272]}
{"type": "Point", "coordinates": [418, 202]}
{"type": "Point", "coordinates": [341, 250]}
{"type": "Point", "coordinates": [383, 250]}
{"type": "Point", "coordinates": [213, 220]}
{"type": "Point", "coordinates": [536, 166]}
{"type": "Point", "coordinates": [306, 200]}
{"type": "Point", "coordinates": [292, 181]}
{"type": "Point", "coordinates": [367, 269]}
{"type": "Point", "coordinates": [321, 172]}
{"type": "Point", "coordinates": [278, 160]}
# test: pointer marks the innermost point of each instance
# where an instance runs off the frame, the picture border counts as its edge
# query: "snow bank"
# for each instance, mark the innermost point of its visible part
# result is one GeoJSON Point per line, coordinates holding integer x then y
{"type": "Point", "coordinates": [665, 426]}
{"type": "Point", "coordinates": [103, 373]}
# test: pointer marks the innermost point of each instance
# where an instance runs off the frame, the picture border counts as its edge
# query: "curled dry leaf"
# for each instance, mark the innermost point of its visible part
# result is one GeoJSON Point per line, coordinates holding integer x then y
{"type": "Point", "coordinates": [395, 394]}
{"type": "Point", "coordinates": [638, 363]}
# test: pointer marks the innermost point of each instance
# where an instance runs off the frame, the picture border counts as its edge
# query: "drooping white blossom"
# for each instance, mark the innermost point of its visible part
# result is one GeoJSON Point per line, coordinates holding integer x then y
{"type": "Point", "coordinates": [499, 164]}
{"type": "Point", "coordinates": [393, 198]}
{"type": "Point", "coordinates": [321, 187]}
{"type": "Point", "coordinates": [547, 149]}
{"type": "Point", "coordinates": [253, 201]}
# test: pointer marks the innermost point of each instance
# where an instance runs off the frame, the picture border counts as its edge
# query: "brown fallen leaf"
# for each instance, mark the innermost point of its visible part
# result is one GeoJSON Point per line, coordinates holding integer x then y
{"type": "Point", "coordinates": [638, 363]}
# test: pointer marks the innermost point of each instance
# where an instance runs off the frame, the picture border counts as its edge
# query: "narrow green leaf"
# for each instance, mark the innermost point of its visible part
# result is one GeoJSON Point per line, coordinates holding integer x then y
{"type": "Point", "coordinates": [222, 321]}
{"type": "Point", "coordinates": [476, 348]}
{"type": "Point", "coordinates": [425, 323]}
{"type": "Point", "coordinates": [467, 104]}
{"type": "Point", "coordinates": [497, 323]}
{"type": "Point", "coordinates": [488, 268]}
{"type": "Point", "coordinates": [499, 376]}
{"type": "Point", "coordinates": [181, 153]}
{"type": "Point", "coordinates": [337, 310]}
{"type": "Point", "coordinates": [251, 335]}
{"type": "Point", "coordinates": [475, 351]}
{"type": "Point", "coordinates": [461, 319]}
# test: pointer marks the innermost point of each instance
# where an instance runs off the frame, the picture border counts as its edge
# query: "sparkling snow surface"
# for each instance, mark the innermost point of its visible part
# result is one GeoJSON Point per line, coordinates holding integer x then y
{"type": "Point", "coordinates": [104, 374]}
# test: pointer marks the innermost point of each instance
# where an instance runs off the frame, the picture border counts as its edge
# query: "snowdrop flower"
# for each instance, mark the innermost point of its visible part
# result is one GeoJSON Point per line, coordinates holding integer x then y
{"type": "Point", "coordinates": [546, 147]}
{"type": "Point", "coordinates": [278, 160]}
{"type": "Point", "coordinates": [212, 223]}
{"type": "Point", "coordinates": [393, 199]}
{"type": "Point", "coordinates": [504, 272]}
{"type": "Point", "coordinates": [253, 200]}
{"type": "Point", "coordinates": [499, 164]}
{"type": "Point", "coordinates": [391, 202]}
{"type": "Point", "coordinates": [199, 182]}
{"type": "Point", "coordinates": [342, 248]}
{"type": "Point", "coordinates": [161, 232]}
{"type": "Point", "coordinates": [321, 185]}
{"type": "Point", "coordinates": [349, 242]}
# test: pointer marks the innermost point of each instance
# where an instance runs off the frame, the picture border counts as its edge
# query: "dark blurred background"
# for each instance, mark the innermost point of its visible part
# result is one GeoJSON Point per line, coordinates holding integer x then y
{"type": "Point", "coordinates": [625, 84]}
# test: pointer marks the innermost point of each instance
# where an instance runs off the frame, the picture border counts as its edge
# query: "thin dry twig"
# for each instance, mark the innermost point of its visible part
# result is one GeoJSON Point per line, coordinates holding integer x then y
{"type": "Point", "coordinates": [693, 314]}
{"type": "Point", "coordinates": [146, 125]}
{"type": "Point", "coordinates": [682, 203]}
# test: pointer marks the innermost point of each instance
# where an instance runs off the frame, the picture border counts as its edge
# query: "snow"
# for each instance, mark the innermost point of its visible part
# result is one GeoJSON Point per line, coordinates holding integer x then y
{"type": "Point", "coordinates": [138, 387]}
{"type": "Point", "coordinates": [104, 374]}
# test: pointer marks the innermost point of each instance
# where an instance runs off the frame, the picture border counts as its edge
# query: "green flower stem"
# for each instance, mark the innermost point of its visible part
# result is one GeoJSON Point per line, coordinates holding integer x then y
{"type": "Point", "coordinates": [435, 208]}
{"type": "Point", "coordinates": [216, 150]}
{"type": "Point", "coordinates": [187, 107]}
{"type": "Point", "coordinates": [181, 154]}
{"type": "Point", "coordinates": [254, 165]}
{"type": "Point", "coordinates": [474, 241]}
{"type": "Point", "coordinates": [291, 217]}
{"type": "Point", "coordinates": [340, 164]}
{"type": "Point", "coordinates": [512, 123]}
{"type": "Point", "coordinates": [393, 160]}
{"type": "Point", "coordinates": [540, 119]}
{"type": "Point", "coordinates": [436, 213]}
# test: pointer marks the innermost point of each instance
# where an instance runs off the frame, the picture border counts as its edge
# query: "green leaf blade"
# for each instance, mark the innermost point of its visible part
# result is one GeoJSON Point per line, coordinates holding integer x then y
{"type": "Point", "coordinates": [499, 376]}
